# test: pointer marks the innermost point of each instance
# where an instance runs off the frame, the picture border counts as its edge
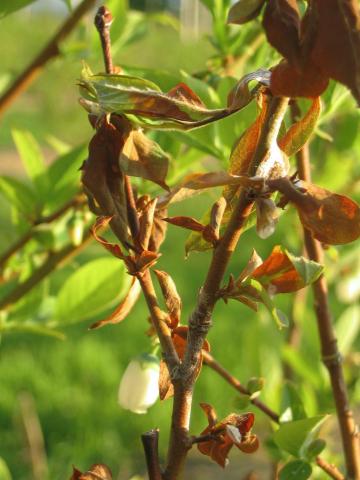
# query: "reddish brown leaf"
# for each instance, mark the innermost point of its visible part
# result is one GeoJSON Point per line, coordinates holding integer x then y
{"type": "Point", "coordinates": [172, 298]}
{"type": "Point", "coordinates": [278, 272]}
{"type": "Point", "coordinates": [98, 471]}
{"type": "Point", "coordinates": [145, 260]}
{"type": "Point", "coordinates": [186, 222]}
{"type": "Point", "coordinates": [125, 307]}
{"type": "Point", "coordinates": [289, 81]}
{"type": "Point", "coordinates": [103, 181]}
{"type": "Point", "coordinates": [249, 445]}
{"type": "Point", "coordinates": [336, 47]}
{"type": "Point", "coordinates": [158, 231]}
{"type": "Point", "coordinates": [184, 93]}
{"type": "Point", "coordinates": [232, 430]}
{"type": "Point", "coordinates": [281, 22]}
{"type": "Point", "coordinates": [333, 219]}
{"type": "Point", "coordinates": [146, 222]}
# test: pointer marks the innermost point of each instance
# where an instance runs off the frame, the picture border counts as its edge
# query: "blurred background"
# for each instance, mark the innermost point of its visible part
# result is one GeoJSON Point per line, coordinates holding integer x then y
{"type": "Point", "coordinates": [63, 377]}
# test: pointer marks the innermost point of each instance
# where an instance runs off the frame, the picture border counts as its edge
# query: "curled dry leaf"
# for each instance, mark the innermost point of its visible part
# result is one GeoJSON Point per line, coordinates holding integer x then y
{"type": "Point", "coordinates": [196, 182]}
{"type": "Point", "coordinates": [146, 222]}
{"type": "Point", "coordinates": [158, 231]}
{"type": "Point", "coordinates": [125, 307]}
{"type": "Point", "coordinates": [179, 337]}
{"type": "Point", "coordinates": [97, 471]}
{"type": "Point", "coordinates": [171, 296]}
{"type": "Point", "coordinates": [336, 42]}
{"type": "Point", "coordinates": [185, 222]}
{"type": "Point", "coordinates": [332, 219]}
{"type": "Point", "coordinates": [244, 10]}
{"type": "Point", "coordinates": [103, 180]}
{"type": "Point", "coordinates": [232, 430]}
{"type": "Point", "coordinates": [281, 22]}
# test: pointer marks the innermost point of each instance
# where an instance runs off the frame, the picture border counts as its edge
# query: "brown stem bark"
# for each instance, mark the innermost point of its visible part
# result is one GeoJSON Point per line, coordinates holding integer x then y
{"type": "Point", "coordinates": [200, 319]}
{"type": "Point", "coordinates": [51, 50]}
{"type": "Point", "coordinates": [150, 442]}
{"type": "Point", "coordinates": [331, 356]}
{"type": "Point", "coordinates": [210, 361]}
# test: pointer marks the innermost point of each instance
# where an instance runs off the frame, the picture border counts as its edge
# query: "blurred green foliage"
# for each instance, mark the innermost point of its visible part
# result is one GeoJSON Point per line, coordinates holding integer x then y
{"type": "Point", "coordinates": [74, 382]}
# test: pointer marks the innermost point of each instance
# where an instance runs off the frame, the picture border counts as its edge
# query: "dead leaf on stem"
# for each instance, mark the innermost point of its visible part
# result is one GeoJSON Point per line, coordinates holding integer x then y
{"type": "Point", "coordinates": [125, 307]}
{"type": "Point", "coordinates": [171, 297]}
{"type": "Point", "coordinates": [98, 471]}
{"type": "Point", "coordinates": [232, 430]}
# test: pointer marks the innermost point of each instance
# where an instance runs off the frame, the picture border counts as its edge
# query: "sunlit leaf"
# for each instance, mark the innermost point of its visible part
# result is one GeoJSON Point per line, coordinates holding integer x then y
{"type": "Point", "coordinates": [300, 132]}
{"type": "Point", "coordinates": [293, 436]}
{"type": "Point", "coordinates": [90, 290]}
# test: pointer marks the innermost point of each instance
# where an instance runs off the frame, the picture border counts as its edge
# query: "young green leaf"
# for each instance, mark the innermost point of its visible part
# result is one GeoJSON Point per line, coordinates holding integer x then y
{"type": "Point", "coordinates": [296, 470]}
{"type": "Point", "coordinates": [293, 436]}
{"type": "Point", "coordinates": [90, 290]}
{"type": "Point", "coordinates": [19, 195]}
{"type": "Point", "coordinates": [32, 159]}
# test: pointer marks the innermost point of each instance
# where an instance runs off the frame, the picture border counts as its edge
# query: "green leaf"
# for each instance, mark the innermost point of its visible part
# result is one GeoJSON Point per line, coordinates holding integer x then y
{"type": "Point", "coordinates": [32, 159]}
{"type": "Point", "coordinates": [19, 195]}
{"type": "Point", "coordinates": [309, 270]}
{"type": "Point", "coordinates": [244, 10]}
{"type": "Point", "coordinates": [4, 471]}
{"type": "Point", "coordinates": [298, 434]}
{"type": "Point", "coordinates": [94, 287]}
{"type": "Point", "coordinates": [64, 176]}
{"type": "Point", "coordinates": [296, 470]}
{"type": "Point", "coordinates": [347, 328]}
{"type": "Point", "coordinates": [292, 407]}
{"type": "Point", "coordinates": [10, 6]}
{"type": "Point", "coordinates": [314, 449]}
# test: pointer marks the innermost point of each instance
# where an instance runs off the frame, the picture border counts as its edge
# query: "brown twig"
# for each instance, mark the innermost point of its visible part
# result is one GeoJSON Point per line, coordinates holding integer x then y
{"type": "Point", "coordinates": [331, 356]}
{"type": "Point", "coordinates": [150, 443]}
{"type": "Point", "coordinates": [53, 261]}
{"type": "Point", "coordinates": [51, 50]}
{"type": "Point", "coordinates": [200, 319]}
{"type": "Point", "coordinates": [22, 241]}
{"type": "Point", "coordinates": [234, 382]}
{"type": "Point", "coordinates": [210, 361]}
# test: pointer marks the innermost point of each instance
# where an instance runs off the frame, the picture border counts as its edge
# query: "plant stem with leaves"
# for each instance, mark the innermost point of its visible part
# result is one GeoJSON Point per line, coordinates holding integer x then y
{"type": "Point", "coordinates": [331, 357]}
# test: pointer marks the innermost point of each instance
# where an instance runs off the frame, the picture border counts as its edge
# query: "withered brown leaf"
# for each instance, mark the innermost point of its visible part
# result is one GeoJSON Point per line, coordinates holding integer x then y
{"type": "Point", "coordinates": [171, 297]}
{"type": "Point", "coordinates": [281, 22]}
{"type": "Point", "coordinates": [122, 310]}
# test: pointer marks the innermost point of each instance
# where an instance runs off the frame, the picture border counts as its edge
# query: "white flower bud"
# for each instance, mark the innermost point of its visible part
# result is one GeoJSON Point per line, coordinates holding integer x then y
{"type": "Point", "coordinates": [139, 386]}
